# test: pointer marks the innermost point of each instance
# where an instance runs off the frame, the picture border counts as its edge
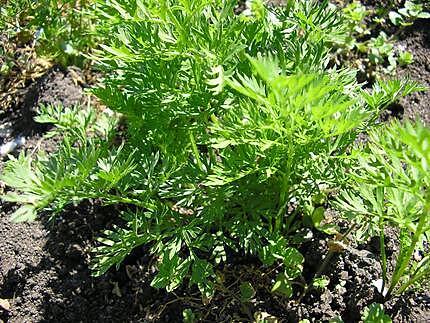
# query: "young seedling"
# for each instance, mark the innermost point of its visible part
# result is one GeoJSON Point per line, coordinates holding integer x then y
{"type": "Point", "coordinates": [391, 190]}
{"type": "Point", "coordinates": [411, 11]}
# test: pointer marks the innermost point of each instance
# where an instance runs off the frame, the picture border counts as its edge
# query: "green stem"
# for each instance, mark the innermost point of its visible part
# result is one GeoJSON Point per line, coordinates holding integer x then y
{"type": "Point", "coordinates": [330, 253]}
{"type": "Point", "coordinates": [416, 277]}
{"type": "Point", "coordinates": [323, 266]}
{"type": "Point", "coordinates": [402, 266]}
{"type": "Point", "coordinates": [283, 202]}
{"type": "Point", "coordinates": [196, 152]}
{"type": "Point", "coordinates": [383, 254]}
{"type": "Point", "coordinates": [285, 194]}
{"type": "Point", "coordinates": [380, 197]}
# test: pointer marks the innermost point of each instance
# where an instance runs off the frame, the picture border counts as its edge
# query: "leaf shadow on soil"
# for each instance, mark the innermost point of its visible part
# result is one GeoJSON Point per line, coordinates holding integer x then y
{"type": "Point", "coordinates": [59, 287]}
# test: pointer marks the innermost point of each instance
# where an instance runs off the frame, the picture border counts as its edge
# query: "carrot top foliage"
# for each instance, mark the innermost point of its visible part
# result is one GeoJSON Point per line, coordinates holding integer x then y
{"type": "Point", "coordinates": [236, 132]}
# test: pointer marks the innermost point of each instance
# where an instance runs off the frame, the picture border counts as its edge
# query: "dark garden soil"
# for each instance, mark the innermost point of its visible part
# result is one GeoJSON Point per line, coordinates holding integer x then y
{"type": "Point", "coordinates": [417, 41]}
{"type": "Point", "coordinates": [44, 274]}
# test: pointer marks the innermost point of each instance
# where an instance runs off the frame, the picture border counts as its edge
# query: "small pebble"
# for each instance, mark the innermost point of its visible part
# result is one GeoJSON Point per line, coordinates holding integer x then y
{"type": "Point", "coordinates": [10, 146]}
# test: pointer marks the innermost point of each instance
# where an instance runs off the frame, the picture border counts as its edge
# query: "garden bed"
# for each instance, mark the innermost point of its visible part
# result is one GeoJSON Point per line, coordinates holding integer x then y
{"type": "Point", "coordinates": [44, 273]}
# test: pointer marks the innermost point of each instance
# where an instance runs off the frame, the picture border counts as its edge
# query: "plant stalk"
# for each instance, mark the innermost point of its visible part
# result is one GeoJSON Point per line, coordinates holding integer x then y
{"type": "Point", "coordinates": [404, 262]}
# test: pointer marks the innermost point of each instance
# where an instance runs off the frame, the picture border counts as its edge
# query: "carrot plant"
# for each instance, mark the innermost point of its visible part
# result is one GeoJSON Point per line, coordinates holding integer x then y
{"type": "Point", "coordinates": [234, 125]}
{"type": "Point", "coordinates": [390, 189]}
{"type": "Point", "coordinates": [61, 30]}
{"type": "Point", "coordinates": [74, 172]}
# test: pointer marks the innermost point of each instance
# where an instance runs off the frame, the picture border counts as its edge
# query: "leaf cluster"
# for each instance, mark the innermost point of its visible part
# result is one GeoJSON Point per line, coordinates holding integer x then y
{"type": "Point", "coordinates": [411, 11]}
{"type": "Point", "coordinates": [390, 189]}
{"type": "Point", "coordinates": [230, 104]}
{"type": "Point", "coordinates": [84, 166]}
{"type": "Point", "coordinates": [370, 41]}
{"type": "Point", "coordinates": [235, 134]}
{"type": "Point", "coordinates": [61, 30]}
